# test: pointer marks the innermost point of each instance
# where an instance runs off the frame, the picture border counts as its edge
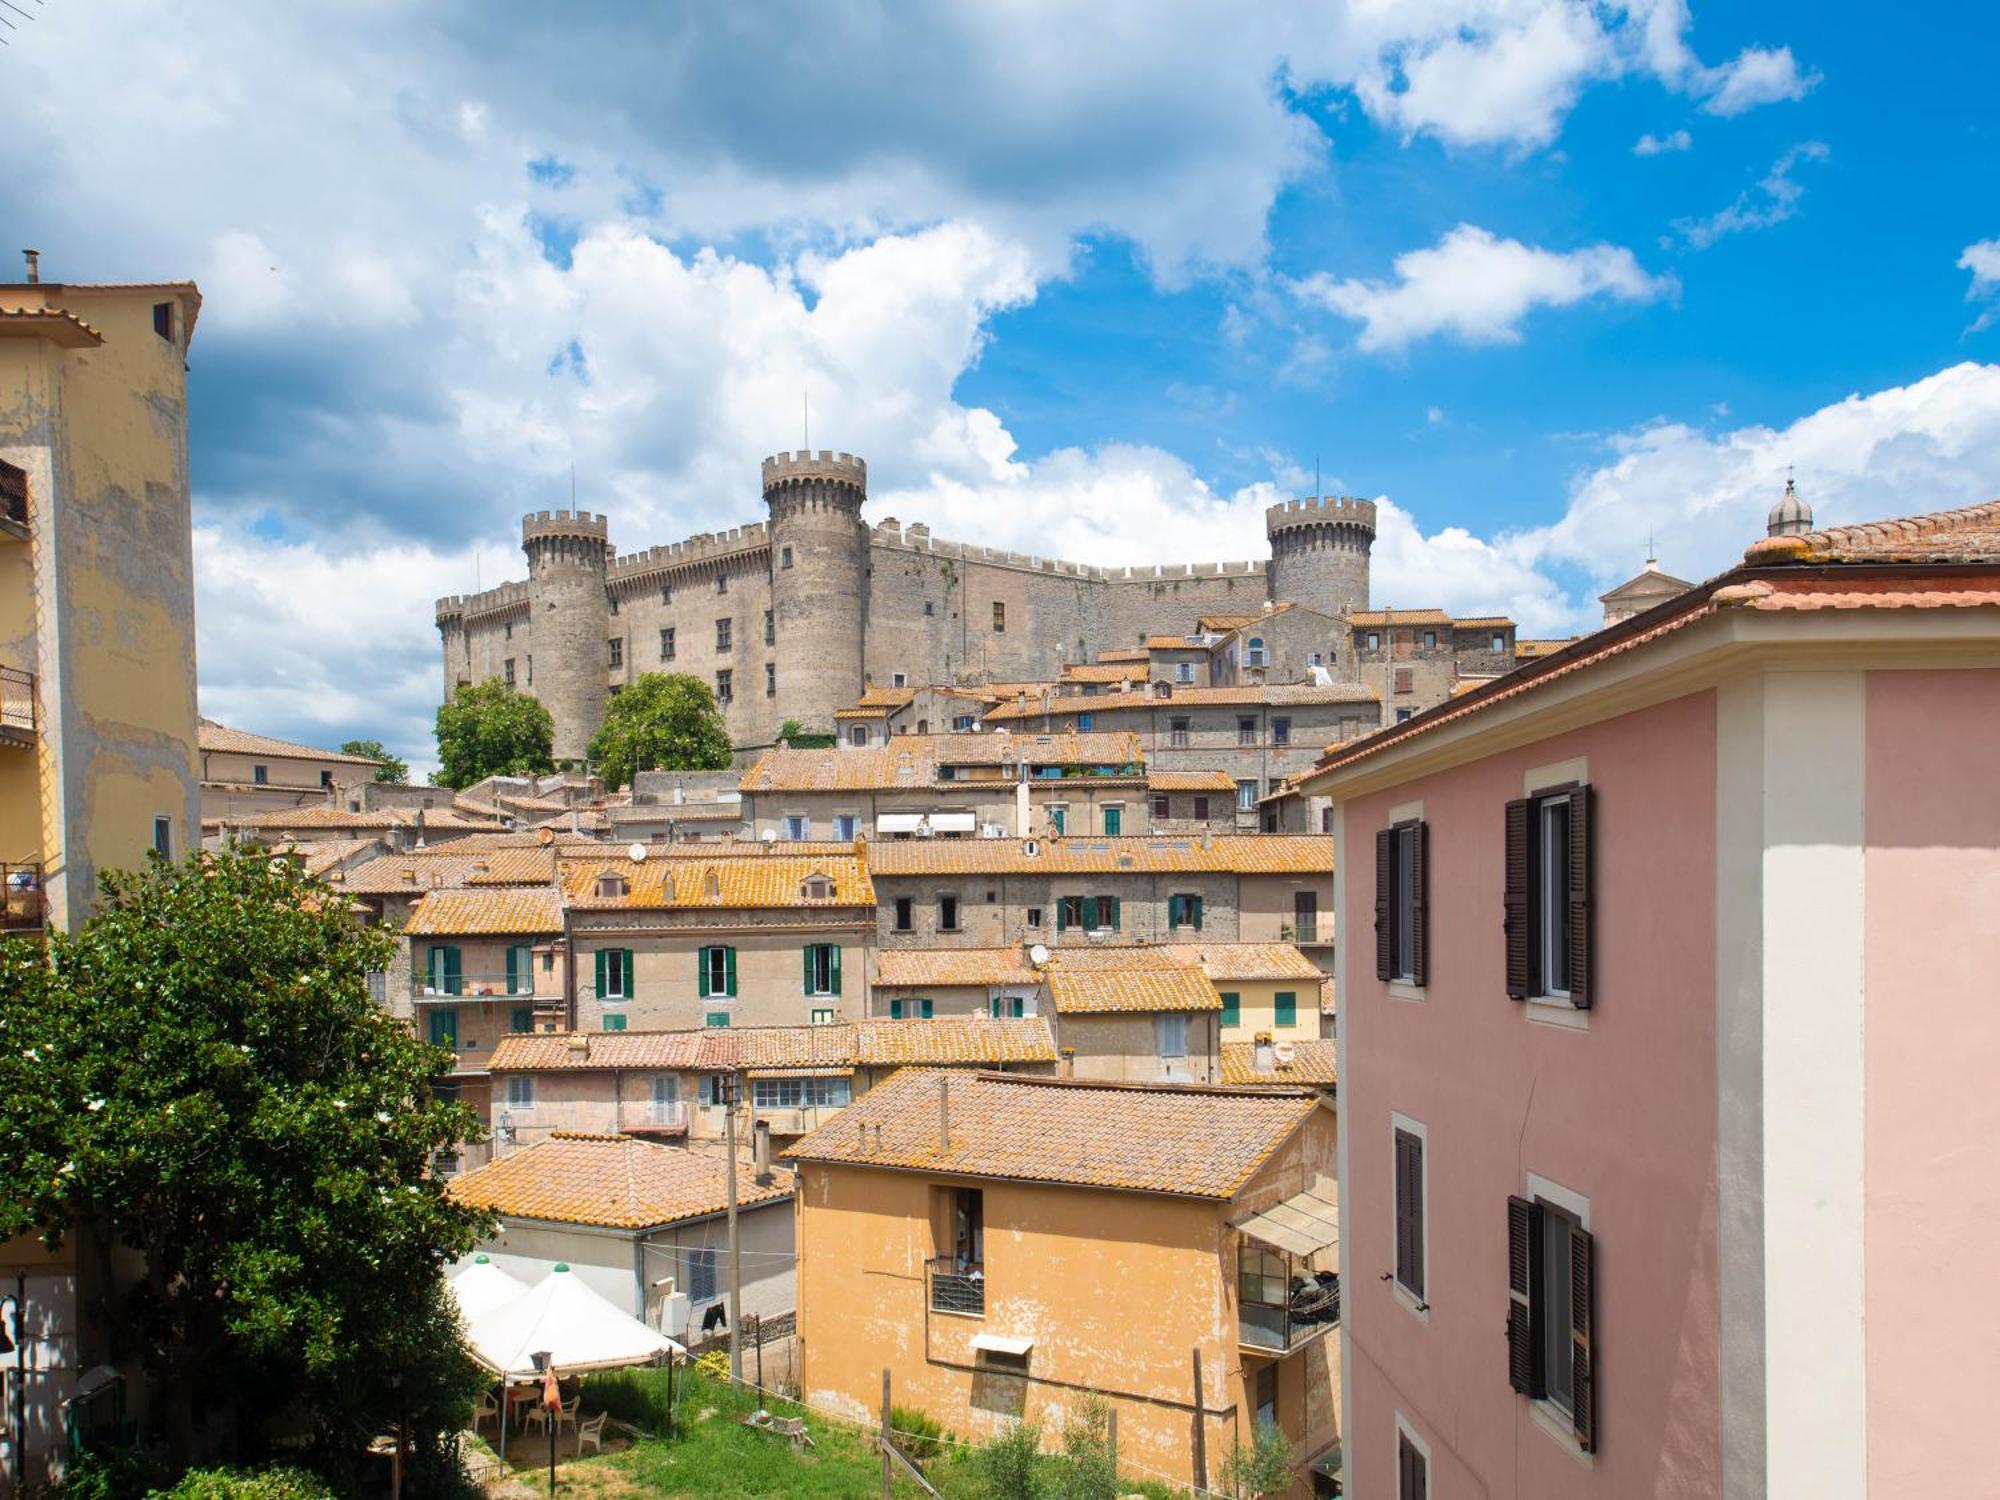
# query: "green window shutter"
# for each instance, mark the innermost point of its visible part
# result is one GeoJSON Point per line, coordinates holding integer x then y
{"type": "Point", "coordinates": [993, 1007]}
{"type": "Point", "coordinates": [600, 973]}
{"type": "Point", "coordinates": [717, 1018]}
{"type": "Point", "coordinates": [1089, 913]}
{"type": "Point", "coordinates": [454, 975]}
{"type": "Point", "coordinates": [927, 1010]}
{"type": "Point", "coordinates": [1288, 1008]}
{"type": "Point", "coordinates": [1195, 901]}
{"type": "Point", "coordinates": [1062, 913]}
{"type": "Point", "coordinates": [434, 969]}
{"type": "Point", "coordinates": [614, 1023]}
{"type": "Point", "coordinates": [522, 1019]}
{"type": "Point", "coordinates": [895, 1010]}
{"type": "Point", "coordinates": [1232, 1010]}
{"type": "Point", "coordinates": [1111, 919]}
{"type": "Point", "coordinates": [806, 983]}
{"type": "Point", "coordinates": [701, 971]}
{"type": "Point", "coordinates": [836, 968]}
{"type": "Point", "coordinates": [513, 971]}
{"type": "Point", "coordinates": [631, 975]}
{"type": "Point", "coordinates": [729, 972]}
{"type": "Point", "coordinates": [1173, 911]}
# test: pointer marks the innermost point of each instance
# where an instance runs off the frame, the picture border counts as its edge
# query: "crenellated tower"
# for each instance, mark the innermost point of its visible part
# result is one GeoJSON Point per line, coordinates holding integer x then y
{"type": "Point", "coordinates": [1319, 552]}
{"type": "Point", "coordinates": [570, 621]}
{"type": "Point", "coordinates": [819, 581]}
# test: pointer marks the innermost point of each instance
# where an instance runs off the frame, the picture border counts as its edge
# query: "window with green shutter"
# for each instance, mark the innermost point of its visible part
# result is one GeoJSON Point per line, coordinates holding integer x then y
{"type": "Point", "coordinates": [910, 1010]}
{"type": "Point", "coordinates": [716, 1018]}
{"type": "Point", "coordinates": [1287, 1009]}
{"type": "Point", "coordinates": [520, 970]}
{"type": "Point", "coordinates": [444, 1028]}
{"type": "Point", "coordinates": [822, 968]}
{"type": "Point", "coordinates": [447, 971]}
{"type": "Point", "coordinates": [521, 1018]}
{"type": "Point", "coordinates": [1232, 1009]}
{"type": "Point", "coordinates": [614, 1023]}
{"type": "Point", "coordinates": [1004, 1007]}
{"type": "Point", "coordinates": [717, 972]}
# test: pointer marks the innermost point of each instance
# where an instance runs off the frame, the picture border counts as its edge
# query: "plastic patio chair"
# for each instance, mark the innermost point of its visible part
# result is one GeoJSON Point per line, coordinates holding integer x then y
{"type": "Point", "coordinates": [591, 1431]}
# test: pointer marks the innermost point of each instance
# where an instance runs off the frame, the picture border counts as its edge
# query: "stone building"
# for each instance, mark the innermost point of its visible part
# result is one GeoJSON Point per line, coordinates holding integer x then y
{"type": "Point", "coordinates": [793, 616]}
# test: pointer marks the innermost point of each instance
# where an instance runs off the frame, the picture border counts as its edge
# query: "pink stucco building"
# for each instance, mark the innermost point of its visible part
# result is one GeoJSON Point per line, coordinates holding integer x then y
{"type": "Point", "coordinates": [1670, 1135]}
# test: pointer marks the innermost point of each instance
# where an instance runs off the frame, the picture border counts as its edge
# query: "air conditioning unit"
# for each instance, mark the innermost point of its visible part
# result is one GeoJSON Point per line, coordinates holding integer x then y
{"type": "Point", "coordinates": [672, 1313]}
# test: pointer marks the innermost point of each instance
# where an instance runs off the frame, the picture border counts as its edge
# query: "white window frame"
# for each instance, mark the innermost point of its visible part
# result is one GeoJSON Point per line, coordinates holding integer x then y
{"type": "Point", "coordinates": [1552, 893]}
{"type": "Point", "coordinates": [1173, 1024]}
{"type": "Point", "coordinates": [1417, 1307]}
{"type": "Point", "coordinates": [1551, 1418]}
{"type": "Point", "coordinates": [1246, 796]}
{"type": "Point", "coordinates": [797, 827]}
{"type": "Point", "coordinates": [618, 990]}
{"type": "Point", "coordinates": [520, 1091]}
{"type": "Point", "coordinates": [1405, 1430]}
{"type": "Point", "coordinates": [845, 826]}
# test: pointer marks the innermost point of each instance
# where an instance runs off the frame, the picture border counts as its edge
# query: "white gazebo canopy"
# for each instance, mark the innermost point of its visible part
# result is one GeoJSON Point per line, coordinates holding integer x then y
{"type": "Point", "coordinates": [483, 1286]}
{"type": "Point", "coordinates": [579, 1329]}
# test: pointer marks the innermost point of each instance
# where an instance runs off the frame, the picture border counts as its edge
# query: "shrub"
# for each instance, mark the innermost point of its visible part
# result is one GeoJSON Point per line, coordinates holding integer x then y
{"type": "Point", "coordinates": [1011, 1463]}
{"type": "Point", "coordinates": [248, 1484]}
{"type": "Point", "coordinates": [919, 1432]}
{"type": "Point", "coordinates": [1264, 1468]}
{"type": "Point", "coordinates": [1089, 1473]}
{"type": "Point", "coordinates": [108, 1474]}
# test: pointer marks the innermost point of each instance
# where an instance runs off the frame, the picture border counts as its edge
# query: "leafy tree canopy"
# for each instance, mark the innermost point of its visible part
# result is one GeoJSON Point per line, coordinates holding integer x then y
{"type": "Point", "coordinates": [393, 768]}
{"type": "Point", "coordinates": [488, 729]}
{"type": "Point", "coordinates": [200, 1074]}
{"type": "Point", "coordinates": [662, 722]}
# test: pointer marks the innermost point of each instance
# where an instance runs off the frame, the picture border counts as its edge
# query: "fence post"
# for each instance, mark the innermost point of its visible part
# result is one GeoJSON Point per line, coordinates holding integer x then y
{"type": "Point", "coordinates": [888, 1480]}
{"type": "Point", "coordinates": [757, 1332]}
{"type": "Point", "coordinates": [1200, 1430]}
{"type": "Point", "coordinates": [1111, 1441]}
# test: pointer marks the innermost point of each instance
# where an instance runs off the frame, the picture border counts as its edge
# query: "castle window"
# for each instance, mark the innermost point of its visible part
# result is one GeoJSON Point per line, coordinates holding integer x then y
{"type": "Point", "coordinates": [725, 686]}
{"type": "Point", "coordinates": [531, 669]}
{"type": "Point", "coordinates": [928, 610]}
{"type": "Point", "coordinates": [770, 628]}
{"type": "Point", "coordinates": [507, 671]}
{"type": "Point", "coordinates": [666, 593]}
{"type": "Point", "coordinates": [784, 557]}
{"type": "Point", "coordinates": [722, 583]}
{"type": "Point", "coordinates": [614, 604]}
{"type": "Point", "coordinates": [509, 629]}
{"type": "Point", "coordinates": [667, 643]}
{"type": "Point", "coordinates": [617, 646]}
{"type": "Point", "coordinates": [1256, 658]}
{"type": "Point", "coordinates": [999, 617]}
{"type": "Point", "coordinates": [770, 679]}
{"type": "Point", "coordinates": [723, 631]}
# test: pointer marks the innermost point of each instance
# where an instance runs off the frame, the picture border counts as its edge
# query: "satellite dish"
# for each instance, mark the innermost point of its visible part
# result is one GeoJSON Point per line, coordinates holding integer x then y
{"type": "Point", "coordinates": [769, 835]}
{"type": "Point", "coordinates": [1038, 955]}
{"type": "Point", "coordinates": [637, 853]}
{"type": "Point", "coordinates": [1284, 1052]}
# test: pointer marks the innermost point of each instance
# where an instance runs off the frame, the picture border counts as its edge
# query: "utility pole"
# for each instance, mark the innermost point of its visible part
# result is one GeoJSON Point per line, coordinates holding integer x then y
{"type": "Point", "coordinates": [1200, 1429]}
{"type": "Point", "coordinates": [735, 1245]}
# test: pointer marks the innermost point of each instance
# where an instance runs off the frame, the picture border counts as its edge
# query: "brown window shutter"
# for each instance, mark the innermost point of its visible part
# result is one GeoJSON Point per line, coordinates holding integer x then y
{"type": "Point", "coordinates": [1410, 1213]}
{"type": "Point", "coordinates": [1520, 940]}
{"type": "Point", "coordinates": [1412, 1481]}
{"type": "Point", "coordinates": [1580, 885]}
{"type": "Point", "coordinates": [1582, 1270]}
{"type": "Point", "coordinates": [1385, 897]}
{"type": "Point", "coordinates": [1524, 1253]}
{"type": "Point", "coordinates": [1420, 917]}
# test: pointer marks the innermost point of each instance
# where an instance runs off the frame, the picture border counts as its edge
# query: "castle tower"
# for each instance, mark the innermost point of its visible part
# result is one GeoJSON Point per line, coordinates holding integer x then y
{"type": "Point", "coordinates": [1319, 552]}
{"type": "Point", "coordinates": [570, 621]}
{"type": "Point", "coordinates": [819, 581]}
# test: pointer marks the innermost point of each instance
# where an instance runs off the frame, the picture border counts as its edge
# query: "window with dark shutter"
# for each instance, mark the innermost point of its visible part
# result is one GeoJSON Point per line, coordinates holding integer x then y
{"type": "Point", "coordinates": [1579, 897]}
{"type": "Point", "coordinates": [1410, 1213]}
{"type": "Point", "coordinates": [1413, 1478]}
{"type": "Point", "coordinates": [1520, 945]}
{"type": "Point", "coordinates": [1385, 889]}
{"type": "Point", "coordinates": [1524, 1241]}
{"type": "Point", "coordinates": [1549, 889]}
{"type": "Point", "coordinates": [1418, 850]}
{"type": "Point", "coordinates": [1583, 1374]}
{"type": "Point", "coordinates": [1402, 922]}
{"type": "Point", "coordinates": [1551, 1321]}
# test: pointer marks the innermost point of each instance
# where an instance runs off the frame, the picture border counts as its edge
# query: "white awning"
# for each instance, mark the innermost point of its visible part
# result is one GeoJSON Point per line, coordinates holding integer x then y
{"type": "Point", "coordinates": [1301, 1225]}
{"type": "Point", "coordinates": [579, 1329]}
{"type": "Point", "coordinates": [954, 822]}
{"type": "Point", "coordinates": [937, 822]}
{"type": "Point", "coordinates": [994, 1343]}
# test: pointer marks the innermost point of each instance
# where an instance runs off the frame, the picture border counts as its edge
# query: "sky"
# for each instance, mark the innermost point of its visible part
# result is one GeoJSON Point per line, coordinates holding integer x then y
{"type": "Point", "coordinates": [1553, 282]}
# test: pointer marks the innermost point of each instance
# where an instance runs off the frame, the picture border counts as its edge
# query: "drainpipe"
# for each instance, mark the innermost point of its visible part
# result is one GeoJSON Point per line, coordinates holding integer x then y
{"type": "Point", "coordinates": [569, 969]}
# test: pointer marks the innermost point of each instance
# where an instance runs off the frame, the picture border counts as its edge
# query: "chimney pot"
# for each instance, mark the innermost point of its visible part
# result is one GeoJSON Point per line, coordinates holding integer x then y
{"type": "Point", "coordinates": [34, 260]}
{"type": "Point", "coordinates": [944, 1114]}
{"type": "Point", "coordinates": [760, 1151]}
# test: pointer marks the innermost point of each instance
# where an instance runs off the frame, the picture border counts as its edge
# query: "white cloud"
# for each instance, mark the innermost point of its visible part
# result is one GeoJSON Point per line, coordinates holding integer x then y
{"type": "Point", "coordinates": [1757, 75]}
{"type": "Point", "coordinates": [1774, 199]}
{"type": "Point", "coordinates": [1659, 145]}
{"type": "Point", "coordinates": [1478, 287]}
{"type": "Point", "coordinates": [1982, 259]}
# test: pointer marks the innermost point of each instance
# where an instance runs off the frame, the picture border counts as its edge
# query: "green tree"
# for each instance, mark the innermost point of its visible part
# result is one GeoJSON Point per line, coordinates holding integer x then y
{"type": "Point", "coordinates": [1089, 1471]}
{"type": "Point", "coordinates": [487, 729]}
{"type": "Point", "coordinates": [1264, 1468]}
{"type": "Point", "coordinates": [661, 722]}
{"type": "Point", "coordinates": [201, 1075]}
{"type": "Point", "coordinates": [1012, 1463]}
{"type": "Point", "coordinates": [393, 769]}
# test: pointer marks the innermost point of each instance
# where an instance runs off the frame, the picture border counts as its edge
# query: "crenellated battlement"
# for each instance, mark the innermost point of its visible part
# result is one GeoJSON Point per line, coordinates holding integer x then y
{"type": "Point", "coordinates": [1169, 572]}
{"type": "Point", "coordinates": [579, 525]}
{"type": "Point", "coordinates": [500, 599]}
{"type": "Point", "coordinates": [841, 468]}
{"type": "Point", "coordinates": [703, 547]}
{"type": "Point", "coordinates": [1320, 510]}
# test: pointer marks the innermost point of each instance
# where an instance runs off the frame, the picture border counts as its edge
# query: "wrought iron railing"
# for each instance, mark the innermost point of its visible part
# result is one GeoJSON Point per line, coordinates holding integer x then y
{"type": "Point", "coordinates": [17, 699]}
{"type": "Point", "coordinates": [427, 986]}
{"type": "Point", "coordinates": [958, 1286]}
{"type": "Point", "coordinates": [23, 902]}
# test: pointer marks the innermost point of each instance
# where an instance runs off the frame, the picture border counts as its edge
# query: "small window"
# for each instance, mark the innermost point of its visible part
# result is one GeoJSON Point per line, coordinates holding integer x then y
{"type": "Point", "coordinates": [725, 690]}
{"type": "Point", "coordinates": [1406, 679]}
{"type": "Point", "coordinates": [1246, 731]}
{"type": "Point", "coordinates": [1281, 731]}
{"type": "Point", "coordinates": [507, 671]}
{"type": "Point", "coordinates": [1374, 640]}
{"type": "Point", "coordinates": [770, 679]}
{"type": "Point", "coordinates": [1184, 910]}
{"type": "Point", "coordinates": [845, 826]}
{"type": "Point", "coordinates": [1033, 916]}
{"type": "Point", "coordinates": [723, 628]}
{"type": "Point", "coordinates": [1232, 1009]}
{"type": "Point", "coordinates": [326, 779]}
{"type": "Point", "coordinates": [822, 1015]}
{"type": "Point", "coordinates": [1058, 816]}
{"type": "Point", "coordinates": [1201, 809]}
{"type": "Point", "coordinates": [1285, 1008]}
{"type": "Point", "coordinates": [1500, 643]}
{"type": "Point", "coordinates": [910, 1010]}
{"type": "Point", "coordinates": [531, 670]}
{"type": "Point", "coordinates": [666, 593]}
{"type": "Point", "coordinates": [163, 320]}
{"type": "Point", "coordinates": [666, 643]}
{"type": "Point", "coordinates": [614, 604]}
{"type": "Point", "coordinates": [722, 583]}
{"type": "Point", "coordinates": [716, 971]}
{"type": "Point", "coordinates": [1184, 671]}
{"type": "Point", "coordinates": [1160, 806]}
{"type": "Point", "coordinates": [716, 1018]}
{"type": "Point", "coordinates": [797, 826]}
{"type": "Point", "coordinates": [521, 1019]}
{"type": "Point", "coordinates": [261, 775]}
{"type": "Point", "coordinates": [1255, 656]}
{"type": "Point", "coordinates": [616, 646]}
{"type": "Point", "coordinates": [1246, 796]}
{"type": "Point", "coordinates": [508, 630]}
{"type": "Point", "coordinates": [929, 609]}
{"type": "Point", "coordinates": [1114, 819]}
{"type": "Point", "coordinates": [611, 887]}
{"type": "Point", "coordinates": [1413, 1470]}
{"type": "Point", "coordinates": [1007, 1007]}
{"type": "Point", "coordinates": [521, 1091]}
{"type": "Point", "coordinates": [822, 968]}
{"type": "Point", "coordinates": [999, 617]}
{"type": "Point", "coordinates": [784, 557]}
{"type": "Point", "coordinates": [1403, 715]}
{"type": "Point", "coordinates": [613, 1022]}
{"type": "Point", "coordinates": [1401, 921]}
{"type": "Point", "coordinates": [905, 918]}
{"type": "Point", "coordinates": [947, 913]}
{"type": "Point", "coordinates": [1086, 722]}
{"type": "Point", "coordinates": [858, 735]}
{"type": "Point", "coordinates": [1411, 1244]}
{"type": "Point", "coordinates": [1171, 1032]}
{"type": "Point", "coordinates": [1430, 640]}
{"type": "Point", "coordinates": [163, 836]}
{"type": "Point", "coordinates": [1177, 733]}
{"type": "Point", "coordinates": [899, 679]}
{"type": "Point", "coordinates": [770, 628]}
{"type": "Point", "coordinates": [614, 973]}
{"type": "Point", "coordinates": [701, 1274]}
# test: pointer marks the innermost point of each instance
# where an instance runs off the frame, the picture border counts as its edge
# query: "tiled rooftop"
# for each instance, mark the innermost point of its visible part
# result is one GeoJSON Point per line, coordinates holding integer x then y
{"type": "Point", "coordinates": [1243, 854]}
{"type": "Point", "coordinates": [1385, 617]}
{"type": "Point", "coordinates": [1246, 695]}
{"type": "Point", "coordinates": [1192, 1142]}
{"type": "Point", "coordinates": [945, 968]}
{"type": "Point", "coordinates": [614, 1181]}
{"type": "Point", "coordinates": [690, 879]}
{"type": "Point", "coordinates": [1089, 991]}
{"type": "Point", "coordinates": [906, 761]}
{"type": "Point", "coordinates": [1105, 671]}
{"type": "Point", "coordinates": [1189, 781]}
{"type": "Point", "coordinates": [1104, 748]}
{"type": "Point", "coordinates": [1312, 1062]}
{"type": "Point", "coordinates": [978, 1041]}
{"type": "Point", "coordinates": [1968, 535]}
{"type": "Point", "coordinates": [502, 911]}
{"type": "Point", "coordinates": [220, 738]}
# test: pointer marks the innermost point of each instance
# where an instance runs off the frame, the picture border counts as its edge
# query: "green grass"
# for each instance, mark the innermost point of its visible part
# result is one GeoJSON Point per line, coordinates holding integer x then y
{"type": "Point", "coordinates": [717, 1456]}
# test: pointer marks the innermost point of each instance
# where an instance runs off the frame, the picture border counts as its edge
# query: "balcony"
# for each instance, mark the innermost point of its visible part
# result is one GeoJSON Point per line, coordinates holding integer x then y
{"type": "Point", "coordinates": [958, 1287]}
{"type": "Point", "coordinates": [17, 706]}
{"type": "Point", "coordinates": [654, 1116]}
{"type": "Point", "coordinates": [13, 502]}
{"type": "Point", "coordinates": [24, 908]}
{"type": "Point", "coordinates": [1307, 930]}
{"type": "Point", "coordinates": [1311, 1310]}
{"type": "Point", "coordinates": [423, 986]}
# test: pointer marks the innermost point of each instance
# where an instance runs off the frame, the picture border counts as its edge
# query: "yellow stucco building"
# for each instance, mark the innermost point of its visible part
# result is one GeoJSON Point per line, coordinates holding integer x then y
{"type": "Point", "coordinates": [1006, 1245]}
{"type": "Point", "coordinates": [97, 659]}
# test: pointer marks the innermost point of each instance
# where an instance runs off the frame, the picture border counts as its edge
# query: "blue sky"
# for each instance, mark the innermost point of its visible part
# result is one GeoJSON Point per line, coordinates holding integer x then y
{"type": "Point", "coordinates": [1546, 278]}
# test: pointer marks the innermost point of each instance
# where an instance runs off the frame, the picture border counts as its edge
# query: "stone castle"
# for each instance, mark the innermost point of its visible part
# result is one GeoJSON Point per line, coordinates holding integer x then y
{"type": "Point", "coordinates": [792, 617]}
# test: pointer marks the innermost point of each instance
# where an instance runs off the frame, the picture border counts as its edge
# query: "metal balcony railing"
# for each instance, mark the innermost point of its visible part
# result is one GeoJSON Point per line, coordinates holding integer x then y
{"type": "Point", "coordinates": [426, 986]}
{"type": "Point", "coordinates": [13, 499]}
{"type": "Point", "coordinates": [1312, 1310]}
{"type": "Point", "coordinates": [23, 903]}
{"type": "Point", "coordinates": [17, 701]}
{"type": "Point", "coordinates": [653, 1114]}
{"type": "Point", "coordinates": [958, 1286]}
{"type": "Point", "coordinates": [1317, 929]}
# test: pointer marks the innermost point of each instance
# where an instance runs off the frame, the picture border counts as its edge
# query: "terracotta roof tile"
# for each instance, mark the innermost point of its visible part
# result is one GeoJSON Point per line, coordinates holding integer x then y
{"type": "Point", "coordinates": [1105, 671]}
{"type": "Point", "coordinates": [689, 879]}
{"type": "Point", "coordinates": [1311, 1062]}
{"type": "Point", "coordinates": [1193, 1142]}
{"type": "Point", "coordinates": [210, 735]}
{"type": "Point", "coordinates": [610, 1180]}
{"type": "Point", "coordinates": [1123, 656]}
{"type": "Point", "coordinates": [1276, 695]}
{"type": "Point", "coordinates": [1967, 535]}
{"type": "Point", "coordinates": [1101, 748]}
{"type": "Point", "coordinates": [1385, 617]}
{"type": "Point", "coordinates": [1243, 854]}
{"type": "Point", "coordinates": [1189, 781]}
{"type": "Point", "coordinates": [945, 968]}
{"type": "Point", "coordinates": [1219, 961]}
{"type": "Point", "coordinates": [530, 912]}
{"type": "Point", "coordinates": [977, 1041]}
{"type": "Point", "coordinates": [1164, 988]}
{"type": "Point", "coordinates": [906, 761]}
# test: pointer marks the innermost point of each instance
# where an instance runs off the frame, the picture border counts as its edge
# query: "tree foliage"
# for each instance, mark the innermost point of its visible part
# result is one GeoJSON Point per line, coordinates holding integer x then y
{"type": "Point", "coordinates": [393, 768]}
{"type": "Point", "coordinates": [1264, 1468]}
{"type": "Point", "coordinates": [1090, 1472]}
{"type": "Point", "coordinates": [661, 722]}
{"type": "Point", "coordinates": [201, 1075]}
{"type": "Point", "coordinates": [487, 729]}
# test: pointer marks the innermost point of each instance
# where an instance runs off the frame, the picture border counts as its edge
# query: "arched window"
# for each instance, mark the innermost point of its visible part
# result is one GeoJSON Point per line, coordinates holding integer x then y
{"type": "Point", "coordinates": [1256, 658]}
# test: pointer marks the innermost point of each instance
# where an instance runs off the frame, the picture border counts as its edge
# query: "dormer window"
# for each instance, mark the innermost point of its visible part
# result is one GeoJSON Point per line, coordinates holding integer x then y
{"type": "Point", "coordinates": [816, 888]}
{"type": "Point", "coordinates": [611, 887]}
{"type": "Point", "coordinates": [711, 885]}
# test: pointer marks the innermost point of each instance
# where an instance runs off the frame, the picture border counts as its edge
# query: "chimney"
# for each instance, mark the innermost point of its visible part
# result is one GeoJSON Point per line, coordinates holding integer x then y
{"type": "Point", "coordinates": [575, 823]}
{"type": "Point", "coordinates": [944, 1114]}
{"type": "Point", "coordinates": [34, 260]}
{"type": "Point", "coordinates": [1207, 836]}
{"type": "Point", "coordinates": [420, 828]}
{"type": "Point", "coordinates": [1261, 1058]}
{"type": "Point", "coordinates": [760, 1151]}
